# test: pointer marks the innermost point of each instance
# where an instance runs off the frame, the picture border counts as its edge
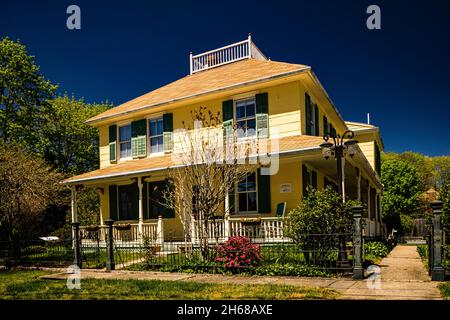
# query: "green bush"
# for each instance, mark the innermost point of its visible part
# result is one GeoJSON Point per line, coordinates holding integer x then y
{"type": "Point", "coordinates": [289, 270]}
{"type": "Point", "coordinates": [422, 250]}
{"type": "Point", "coordinates": [215, 268]}
{"type": "Point", "coordinates": [376, 249]}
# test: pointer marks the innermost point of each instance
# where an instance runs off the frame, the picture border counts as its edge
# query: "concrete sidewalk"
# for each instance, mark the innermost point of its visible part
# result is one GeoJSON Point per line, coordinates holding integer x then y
{"type": "Point", "coordinates": [403, 277]}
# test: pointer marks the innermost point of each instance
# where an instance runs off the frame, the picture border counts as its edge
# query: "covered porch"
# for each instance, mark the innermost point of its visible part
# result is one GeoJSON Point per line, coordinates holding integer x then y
{"type": "Point", "coordinates": [127, 198]}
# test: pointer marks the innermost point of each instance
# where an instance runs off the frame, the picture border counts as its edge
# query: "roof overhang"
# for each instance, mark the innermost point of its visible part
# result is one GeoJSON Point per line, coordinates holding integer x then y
{"type": "Point", "coordinates": [205, 94]}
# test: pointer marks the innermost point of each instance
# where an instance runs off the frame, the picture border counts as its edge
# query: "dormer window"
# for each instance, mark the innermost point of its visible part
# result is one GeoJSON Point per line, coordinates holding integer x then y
{"type": "Point", "coordinates": [246, 117]}
{"type": "Point", "coordinates": [125, 142]}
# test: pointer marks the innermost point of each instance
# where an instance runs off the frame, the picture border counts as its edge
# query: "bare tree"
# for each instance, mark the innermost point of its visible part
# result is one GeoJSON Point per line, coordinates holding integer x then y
{"type": "Point", "coordinates": [208, 161]}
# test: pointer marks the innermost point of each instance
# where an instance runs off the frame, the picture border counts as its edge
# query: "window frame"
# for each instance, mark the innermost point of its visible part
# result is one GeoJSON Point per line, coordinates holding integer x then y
{"type": "Point", "coordinates": [246, 119]}
{"type": "Point", "coordinates": [237, 193]}
{"type": "Point", "coordinates": [149, 119]}
{"type": "Point", "coordinates": [121, 125]}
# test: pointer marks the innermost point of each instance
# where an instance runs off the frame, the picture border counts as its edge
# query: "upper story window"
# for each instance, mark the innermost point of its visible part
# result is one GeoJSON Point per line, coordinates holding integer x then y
{"type": "Point", "coordinates": [156, 135]}
{"type": "Point", "coordinates": [125, 141]}
{"type": "Point", "coordinates": [246, 117]}
{"type": "Point", "coordinates": [247, 194]}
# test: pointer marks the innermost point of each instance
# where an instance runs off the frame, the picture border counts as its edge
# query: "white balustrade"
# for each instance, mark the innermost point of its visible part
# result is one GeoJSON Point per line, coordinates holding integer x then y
{"type": "Point", "coordinates": [234, 52]}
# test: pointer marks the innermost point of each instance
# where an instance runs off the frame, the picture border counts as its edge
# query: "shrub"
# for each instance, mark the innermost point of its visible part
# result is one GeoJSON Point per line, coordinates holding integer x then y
{"type": "Point", "coordinates": [289, 270]}
{"type": "Point", "coordinates": [320, 212]}
{"type": "Point", "coordinates": [422, 250]}
{"type": "Point", "coordinates": [376, 249]}
{"type": "Point", "coordinates": [238, 252]}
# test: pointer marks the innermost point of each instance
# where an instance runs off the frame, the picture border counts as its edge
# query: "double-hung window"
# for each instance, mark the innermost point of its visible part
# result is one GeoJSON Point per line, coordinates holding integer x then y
{"type": "Point", "coordinates": [156, 135]}
{"type": "Point", "coordinates": [247, 194]}
{"type": "Point", "coordinates": [246, 117]}
{"type": "Point", "coordinates": [125, 141]}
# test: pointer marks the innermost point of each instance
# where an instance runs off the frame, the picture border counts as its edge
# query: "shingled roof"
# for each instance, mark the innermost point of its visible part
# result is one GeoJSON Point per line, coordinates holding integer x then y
{"type": "Point", "coordinates": [228, 76]}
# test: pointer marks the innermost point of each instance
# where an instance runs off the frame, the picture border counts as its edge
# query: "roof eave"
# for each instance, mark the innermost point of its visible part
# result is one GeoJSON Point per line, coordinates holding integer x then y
{"type": "Point", "coordinates": [94, 121]}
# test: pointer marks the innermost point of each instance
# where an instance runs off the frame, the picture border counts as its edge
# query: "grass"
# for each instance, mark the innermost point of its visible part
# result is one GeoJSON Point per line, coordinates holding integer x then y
{"type": "Point", "coordinates": [445, 290]}
{"type": "Point", "coordinates": [27, 285]}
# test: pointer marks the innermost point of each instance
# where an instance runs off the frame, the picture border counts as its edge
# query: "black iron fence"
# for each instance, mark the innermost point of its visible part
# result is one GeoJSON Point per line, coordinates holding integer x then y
{"type": "Point", "coordinates": [311, 253]}
{"type": "Point", "coordinates": [39, 252]}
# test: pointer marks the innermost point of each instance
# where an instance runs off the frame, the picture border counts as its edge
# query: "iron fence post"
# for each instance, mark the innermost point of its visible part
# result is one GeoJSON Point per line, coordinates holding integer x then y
{"type": "Point", "coordinates": [437, 271]}
{"type": "Point", "coordinates": [110, 264]}
{"type": "Point", "coordinates": [76, 243]}
{"type": "Point", "coordinates": [358, 270]}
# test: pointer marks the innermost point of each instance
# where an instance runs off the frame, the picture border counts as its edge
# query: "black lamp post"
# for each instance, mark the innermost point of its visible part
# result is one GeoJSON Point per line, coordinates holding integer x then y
{"type": "Point", "coordinates": [338, 149]}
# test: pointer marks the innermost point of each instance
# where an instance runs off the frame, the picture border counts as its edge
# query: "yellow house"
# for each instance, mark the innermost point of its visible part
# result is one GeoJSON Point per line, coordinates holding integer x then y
{"type": "Point", "coordinates": [239, 82]}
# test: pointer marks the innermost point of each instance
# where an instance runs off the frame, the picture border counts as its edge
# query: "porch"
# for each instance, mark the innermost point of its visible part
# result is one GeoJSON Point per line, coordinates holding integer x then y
{"type": "Point", "coordinates": [265, 229]}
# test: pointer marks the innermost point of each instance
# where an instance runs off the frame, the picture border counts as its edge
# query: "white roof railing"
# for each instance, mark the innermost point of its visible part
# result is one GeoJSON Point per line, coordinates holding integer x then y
{"type": "Point", "coordinates": [234, 52]}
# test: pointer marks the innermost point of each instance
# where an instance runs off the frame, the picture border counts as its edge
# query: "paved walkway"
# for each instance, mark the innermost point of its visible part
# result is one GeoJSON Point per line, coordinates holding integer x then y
{"type": "Point", "coordinates": [403, 277]}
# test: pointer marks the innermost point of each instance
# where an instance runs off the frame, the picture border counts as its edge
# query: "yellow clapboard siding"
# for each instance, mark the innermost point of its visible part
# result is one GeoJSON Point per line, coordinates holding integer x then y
{"type": "Point", "coordinates": [368, 149]}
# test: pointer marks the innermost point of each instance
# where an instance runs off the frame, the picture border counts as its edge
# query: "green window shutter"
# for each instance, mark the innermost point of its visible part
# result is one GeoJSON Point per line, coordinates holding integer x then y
{"type": "Point", "coordinates": [314, 180]}
{"type": "Point", "coordinates": [377, 159]}
{"type": "Point", "coordinates": [263, 193]}
{"type": "Point", "coordinates": [316, 120]}
{"type": "Point", "coordinates": [139, 138]}
{"type": "Point", "coordinates": [113, 202]}
{"type": "Point", "coordinates": [227, 117]}
{"type": "Point", "coordinates": [325, 126]}
{"type": "Point", "coordinates": [305, 180]}
{"type": "Point", "coordinates": [308, 112]}
{"type": "Point", "coordinates": [168, 131]}
{"type": "Point", "coordinates": [112, 143]}
{"type": "Point", "coordinates": [145, 199]}
{"type": "Point", "coordinates": [262, 115]}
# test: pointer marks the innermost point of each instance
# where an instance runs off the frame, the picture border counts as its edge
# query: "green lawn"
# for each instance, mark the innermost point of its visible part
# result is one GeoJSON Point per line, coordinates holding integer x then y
{"type": "Point", "coordinates": [27, 285]}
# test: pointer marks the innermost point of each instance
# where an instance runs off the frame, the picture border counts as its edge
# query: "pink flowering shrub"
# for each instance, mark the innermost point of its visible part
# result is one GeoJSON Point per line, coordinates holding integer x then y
{"type": "Point", "coordinates": [238, 252]}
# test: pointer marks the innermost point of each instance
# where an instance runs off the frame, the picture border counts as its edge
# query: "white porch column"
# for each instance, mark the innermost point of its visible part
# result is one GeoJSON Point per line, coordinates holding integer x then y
{"type": "Point", "coordinates": [141, 209]}
{"type": "Point", "coordinates": [226, 217]}
{"type": "Point", "coordinates": [376, 214]}
{"type": "Point", "coordinates": [160, 230]}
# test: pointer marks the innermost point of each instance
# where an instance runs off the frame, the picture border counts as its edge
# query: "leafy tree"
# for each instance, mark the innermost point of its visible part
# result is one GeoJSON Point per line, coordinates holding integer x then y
{"type": "Point", "coordinates": [423, 165]}
{"type": "Point", "coordinates": [23, 91]}
{"type": "Point", "coordinates": [444, 196]}
{"type": "Point", "coordinates": [28, 186]}
{"type": "Point", "coordinates": [69, 144]}
{"type": "Point", "coordinates": [442, 170]}
{"type": "Point", "coordinates": [401, 191]}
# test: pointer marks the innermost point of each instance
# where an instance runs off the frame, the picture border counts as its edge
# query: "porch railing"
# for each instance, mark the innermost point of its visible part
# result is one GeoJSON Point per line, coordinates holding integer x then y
{"type": "Point", "coordinates": [266, 229]}
{"type": "Point", "coordinates": [149, 230]}
{"type": "Point", "coordinates": [234, 52]}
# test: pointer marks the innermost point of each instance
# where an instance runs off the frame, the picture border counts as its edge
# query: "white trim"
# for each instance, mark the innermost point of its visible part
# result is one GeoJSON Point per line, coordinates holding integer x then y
{"type": "Point", "coordinates": [246, 119]}
{"type": "Point", "coordinates": [150, 153]}
{"type": "Point", "coordinates": [236, 197]}
{"type": "Point", "coordinates": [119, 158]}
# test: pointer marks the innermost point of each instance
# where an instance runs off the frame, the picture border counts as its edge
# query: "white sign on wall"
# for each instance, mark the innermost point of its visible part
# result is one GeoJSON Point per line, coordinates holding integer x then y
{"type": "Point", "coordinates": [286, 188]}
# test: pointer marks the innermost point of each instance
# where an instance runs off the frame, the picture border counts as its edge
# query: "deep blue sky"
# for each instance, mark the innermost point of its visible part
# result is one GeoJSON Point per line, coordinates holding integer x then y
{"type": "Point", "coordinates": [400, 74]}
